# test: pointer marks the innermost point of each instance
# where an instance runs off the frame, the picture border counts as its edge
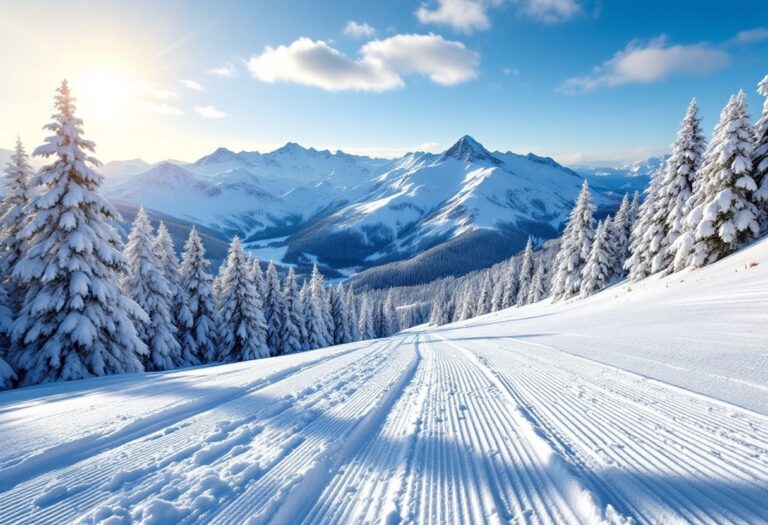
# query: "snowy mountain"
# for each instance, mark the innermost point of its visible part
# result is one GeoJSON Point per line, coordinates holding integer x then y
{"type": "Point", "coordinates": [630, 177]}
{"type": "Point", "coordinates": [352, 212]}
{"type": "Point", "coordinates": [642, 404]}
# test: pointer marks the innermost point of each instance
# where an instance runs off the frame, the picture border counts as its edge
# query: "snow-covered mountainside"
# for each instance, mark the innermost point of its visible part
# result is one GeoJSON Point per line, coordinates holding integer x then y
{"type": "Point", "coordinates": [349, 211]}
{"type": "Point", "coordinates": [624, 179]}
{"type": "Point", "coordinates": [643, 404]}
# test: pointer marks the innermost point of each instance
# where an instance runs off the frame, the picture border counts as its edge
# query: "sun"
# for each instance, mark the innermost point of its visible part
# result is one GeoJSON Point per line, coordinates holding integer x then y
{"type": "Point", "coordinates": [105, 91]}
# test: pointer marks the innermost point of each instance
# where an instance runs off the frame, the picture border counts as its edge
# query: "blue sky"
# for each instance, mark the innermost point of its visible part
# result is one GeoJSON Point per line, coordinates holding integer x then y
{"type": "Point", "coordinates": [579, 80]}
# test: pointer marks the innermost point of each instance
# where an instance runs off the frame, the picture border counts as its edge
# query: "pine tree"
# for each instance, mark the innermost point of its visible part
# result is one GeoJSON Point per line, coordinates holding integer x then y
{"type": "Point", "coordinates": [292, 331]}
{"type": "Point", "coordinates": [575, 247]}
{"type": "Point", "coordinates": [526, 274]}
{"type": "Point", "coordinates": [537, 291]}
{"type": "Point", "coordinates": [485, 297]}
{"type": "Point", "coordinates": [257, 276]}
{"type": "Point", "coordinates": [305, 297]}
{"type": "Point", "coordinates": [511, 285]}
{"type": "Point", "coordinates": [723, 216]}
{"type": "Point", "coordinates": [597, 272]}
{"type": "Point", "coordinates": [12, 219]}
{"type": "Point", "coordinates": [760, 156]}
{"type": "Point", "coordinates": [644, 229]}
{"type": "Point", "coordinates": [677, 187]}
{"type": "Point", "coordinates": [243, 330]}
{"type": "Point", "coordinates": [468, 305]}
{"type": "Point", "coordinates": [165, 251]}
{"type": "Point", "coordinates": [389, 319]}
{"type": "Point", "coordinates": [146, 284]}
{"type": "Point", "coordinates": [75, 322]}
{"type": "Point", "coordinates": [198, 316]}
{"type": "Point", "coordinates": [618, 236]}
{"type": "Point", "coordinates": [350, 304]}
{"type": "Point", "coordinates": [497, 299]}
{"type": "Point", "coordinates": [273, 309]}
{"type": "Point", "coordinates": [7, 373]}
{"type": "Point", "coordinates": [318, 328]}
{"type": "Point", "coordinates": [339, 314]}
{"type": "Point", "coordinates": [365, 324]}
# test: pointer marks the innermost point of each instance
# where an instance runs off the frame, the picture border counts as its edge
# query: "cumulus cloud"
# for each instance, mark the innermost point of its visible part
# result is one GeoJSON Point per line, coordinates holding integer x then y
{"type": "Point", "coordinates": [356, 30]}
{"type": "Point", "coordinates": [380, 66]}
{"type": "Point", "coordinates": [750, 36]}
{"type": "Point", "coordinates": [161, 108]}
{"type": "Point", "coordinates": [656, 60]}
{"type": "Point", "coordinates": [228, 70]}
{"type": "Point", "coordinates": [209, 112]}
{"type": "Point", "coordinates": [467, 16]}
{"type": "Point", "coordinates": [191, 85]}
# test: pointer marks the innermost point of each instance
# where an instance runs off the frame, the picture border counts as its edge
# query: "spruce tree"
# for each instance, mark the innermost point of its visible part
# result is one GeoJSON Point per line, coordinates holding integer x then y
{"type": "Point", "coordinates": [318, 328]}
{"type": "Point", "coordinates": [198, 316]}
{"type": "Point", "coordinates": [165, 251]}
{"type": "Point", "coordinates": [509, 295]}
{"type": "Point", "coordinates": [365, 323]}
{"type": "Point", "coordinates": [146, 284]}
{"type": "Point", "coordinates": [390, 320]}
{"type": "Point", "coordinates": [526, 274]}
{"type": "Point", "coordinates": [7, 373]}
{"type": "Point", "coordinates": [485, 296]}
{"type": "Point", "coordinates": [760, 156]}
{"type": "Point", "coordinates": [597, 272]}
{"type": "Point", "coordinates": [292, 331]}
{"type": "Point", "coordinates": [350, 304]}
{"type": "Point", "coordinates": [575, 247]}
{"type": "Point", "coordinates": [339, 314]}
{"type": "Point", "coordinates": [537, 291]}
{"type": "Point", "coordinates": [75, 321]}
{"type": "Point", "coordinates": [618, 236]}
{"type": "Point", "coordinates": [644, 230]}
{"type": "Point", "coordinates": [305, 297]}
{"type": "Point", "coordinates": [723, 216]}
{"type": "Point", "coordinates": [243, 330]}
{"type": "Point", "coordinates": [273, 309]}
{"type": "Point", "coordinates": [18, 174]}
{"type": "Point", "coordinates": [676, 188]}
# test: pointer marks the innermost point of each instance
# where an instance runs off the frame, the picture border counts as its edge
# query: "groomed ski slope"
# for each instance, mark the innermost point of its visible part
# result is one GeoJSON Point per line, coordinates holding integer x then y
{"type": "Point", "coordinates": [644, 404]}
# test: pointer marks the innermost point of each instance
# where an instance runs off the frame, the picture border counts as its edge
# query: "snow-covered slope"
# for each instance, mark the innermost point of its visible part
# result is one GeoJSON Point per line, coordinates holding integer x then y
{"type": "Point", "coordinates": [628, 178]}
{"type": "Point", "coordinates": [353, 211]}
{"type": "Point", "coordinates": [644, 404]}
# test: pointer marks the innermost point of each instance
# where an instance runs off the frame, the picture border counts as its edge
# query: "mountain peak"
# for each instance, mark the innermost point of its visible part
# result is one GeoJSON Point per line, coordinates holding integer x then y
{"type": "Point", "coordinates": [221, 154]}
{"type": "Point", "coordinates": [291, 147]}
{"type": "Point", "coordinates": [468, 149]}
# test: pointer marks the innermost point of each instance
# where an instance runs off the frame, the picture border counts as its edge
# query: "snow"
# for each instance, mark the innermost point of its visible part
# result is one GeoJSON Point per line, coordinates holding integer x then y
{"type": "Point", "coordinates": [645, 403]}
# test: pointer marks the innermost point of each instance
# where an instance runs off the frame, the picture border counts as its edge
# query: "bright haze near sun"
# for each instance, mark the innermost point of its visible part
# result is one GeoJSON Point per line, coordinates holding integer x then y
{"type": "Point", "coordinates": [584, 81]}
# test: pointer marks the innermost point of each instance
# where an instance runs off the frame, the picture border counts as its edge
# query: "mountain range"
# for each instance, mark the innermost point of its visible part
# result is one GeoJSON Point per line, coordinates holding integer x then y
{"type": "Point", "coordinates": [444, 213]}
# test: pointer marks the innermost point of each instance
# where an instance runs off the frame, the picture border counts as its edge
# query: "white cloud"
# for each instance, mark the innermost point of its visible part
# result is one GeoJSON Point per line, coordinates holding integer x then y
{"type": "Point", "coordinates": [510, 71]}
{"type": "Point", "coordinates": [192, 85]}
{"type": "Point", "coordinates": [550, 11]}
{"type": "Point", "coordinates": [750, 36]}
{"type": "Point", "coordinates": [157, 92]}
{"type": "Point", "coordinates": [161, 108]}
{"type": "Point", "coordinates": [356, 30]}
{"type": "Point", "coordinates": [209, 112]}
{"type": "Point", "coordinates": [228, 70]}
{"type": "Point", "coordinates": [472, 15]}
{"type": "Point", "coordinates": [646, 63]}
{"type": "Point", "coordinates": [380, 67]}
{"type": "Point", "coordinates": [462, 15]}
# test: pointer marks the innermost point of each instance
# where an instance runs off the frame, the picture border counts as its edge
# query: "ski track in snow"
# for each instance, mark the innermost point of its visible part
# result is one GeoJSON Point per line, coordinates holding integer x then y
{"type": "Point", "coordinates": [435, 426]}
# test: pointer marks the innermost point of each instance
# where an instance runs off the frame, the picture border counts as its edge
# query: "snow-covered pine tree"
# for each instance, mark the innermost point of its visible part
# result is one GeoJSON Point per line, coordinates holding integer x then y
{"type": "Point", "coordinates": [350, 305]}
{"type": "Point", "coordinates": [599, 268]}
{"type": "Point", "coordinates": [468, 304]}
{"type": "Point", "coordinates": [390, 322]}
{"type": "Point", "coordinates": [509, 296]}
{"type": "Point", "coordinates": [537, 292]}
{"type": "Point", "coordinates": [7, 373]}
{"type": "Point", "coordinates": [723, 216]}
{"type": "Point", "coordinates": [146, 284]}
{"type": "Point", "coordinates": [243, 330]}
{"type": "Point", "coordinates": [366, 323]}
{"type": "Point", "coordinates": [318, 329]}
{"type": "Point", "coordinates": [257, 276]}
{"type": "Point", "coordinates": [760, 156]}
{"type": "Point", "coordinates": [18, 174]}
{"type": "Point", "coordinates": [644, 229]}
{"type": "Point", "coordinates": [339, 313]}
{"type": "Point", "coordinates": [166, 253]}
{"type": "Point", "coordinates": [75, 321]}
{"type": "Point", "coordinates": [437, 313]}
{"type": "Point", "coordinates": [485, 296]}
{"type": "Point", "coordinates": [198, 316]}
{"type": "Point", "coordinates": [618, 236]}
{"type": "Point", "coordinates": [575, 247]}
{"type": "Point", "coordinates": [273, 309]}
{"type": "Point", "coordinates": [677, 187]}
{"type": "Point", "coordinates": [305, 297]}
{"type": "Point", "coordinates": [292, 331]}
{"type": "Point", "coordinates": [526, 274]}
{"type": "Point", "coordinates": [497, 298]}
